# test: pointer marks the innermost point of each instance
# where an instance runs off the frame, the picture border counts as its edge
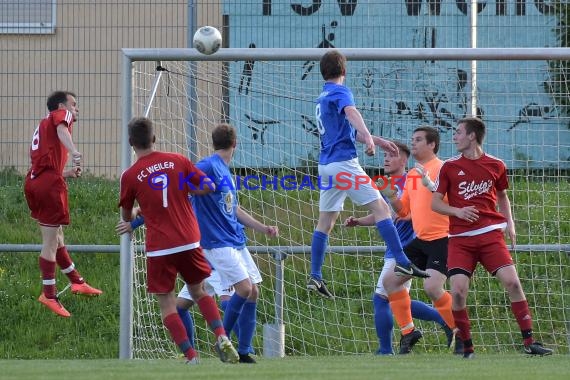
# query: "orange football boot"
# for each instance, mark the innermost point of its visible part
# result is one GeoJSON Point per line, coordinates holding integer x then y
{"type": "Point", "coordinates": [54, 305]}
{"type": "Point", "coordinates": [85, 289]}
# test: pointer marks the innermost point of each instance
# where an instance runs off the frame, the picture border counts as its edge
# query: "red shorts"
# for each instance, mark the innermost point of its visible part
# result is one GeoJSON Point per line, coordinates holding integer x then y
{"type": "Point", "coordinates": [161, 271]}
{"type": "Point", "coordinates": [47, 198]}
{"type": "Point", "coordinates": [489, 249]}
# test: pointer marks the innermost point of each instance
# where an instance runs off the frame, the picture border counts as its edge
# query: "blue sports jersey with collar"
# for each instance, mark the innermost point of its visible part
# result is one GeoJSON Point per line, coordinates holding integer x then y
{"type": "Point", "coordinates": [404, 227]}
{"type": "Point", "coordinates": [338, 137]}
{"type": "Point", "coordinates": [216, 211]}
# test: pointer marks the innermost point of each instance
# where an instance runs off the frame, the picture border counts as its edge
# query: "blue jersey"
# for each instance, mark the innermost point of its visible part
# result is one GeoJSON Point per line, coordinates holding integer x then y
{"type": "Point", "coordinates": [338, 137]}
{"type": "Point", "coordinates": [242, 235]}
{"type": "Point", "coordinates": [404, 227]}
{"type": "Point", "coordinates": [216, 211]}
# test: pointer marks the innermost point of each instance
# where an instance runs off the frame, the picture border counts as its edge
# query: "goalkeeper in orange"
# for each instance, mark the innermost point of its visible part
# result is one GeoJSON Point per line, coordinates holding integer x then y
{"type": "Point", "coordinates": [428, 250]}
{"type": "Point", "coordinates": [395, 166]}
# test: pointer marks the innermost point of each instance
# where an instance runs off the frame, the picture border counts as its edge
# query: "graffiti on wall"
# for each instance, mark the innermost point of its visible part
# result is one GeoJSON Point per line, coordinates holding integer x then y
{"type": "Point", "coordinates": [393, 97]}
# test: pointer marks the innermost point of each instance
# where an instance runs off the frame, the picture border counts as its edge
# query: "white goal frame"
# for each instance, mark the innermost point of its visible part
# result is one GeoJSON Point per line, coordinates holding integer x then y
{"type": "Point", "coordinates": [286, 54]}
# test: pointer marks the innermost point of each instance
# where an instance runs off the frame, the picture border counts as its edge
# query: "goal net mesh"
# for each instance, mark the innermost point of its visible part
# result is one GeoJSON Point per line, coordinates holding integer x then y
{"type": "Point", "coordinates": [271, 104]}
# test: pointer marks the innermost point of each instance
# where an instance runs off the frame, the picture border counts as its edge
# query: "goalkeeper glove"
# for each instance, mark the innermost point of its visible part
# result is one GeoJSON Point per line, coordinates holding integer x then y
{"type": "Point", "coordinates": [426, 181]}
{"type": "Point", "coordinates": [386, 188]}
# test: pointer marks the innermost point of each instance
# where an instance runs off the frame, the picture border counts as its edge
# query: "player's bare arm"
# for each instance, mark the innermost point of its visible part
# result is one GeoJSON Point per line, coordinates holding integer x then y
{"type": "Point", "coordinates": [127, 214]}
{"type": "Point", "coordinates": [469, 213]}
{"type": "Point", "coordinates": [123, 227]}
{"type": "Point", "coordinates": [353, 221]}
{"type": "Point", "coordinates": [386, 145]}
{"type": "Point", "coordinates": [249, 221]}
{"type": "Point", "coordinates": [65, 138]}
{"type": "Point", "coordinates": [505, 208]}
{"type": "Point", "coordinates": [74, 172]}
{"type": "Point", "coordinates": [363, 134]}
{"type": "Point", "coordinates": [126, 227]}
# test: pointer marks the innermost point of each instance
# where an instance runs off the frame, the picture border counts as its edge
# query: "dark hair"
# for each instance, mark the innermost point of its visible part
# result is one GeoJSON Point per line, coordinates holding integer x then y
{"type": "Point", "coordinates": [141, 132]}
{"type": "Point", "coordinates": [403, 148]}
{"type": "Point", "coordinates": [333, 65]}
{"type": "Point", "coordinates": [474, 125]}
{"type": "Point", "coordinates": [56, 98]}
{"type": "Point", "coordinates": [223, 136]}
{"type": "Point", "coordinates": [432, 136]}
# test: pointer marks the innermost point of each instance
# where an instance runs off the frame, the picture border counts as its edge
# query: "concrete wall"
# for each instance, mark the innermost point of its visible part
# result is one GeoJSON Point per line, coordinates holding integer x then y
{"type": "Point", "coordinates": [83, 56]}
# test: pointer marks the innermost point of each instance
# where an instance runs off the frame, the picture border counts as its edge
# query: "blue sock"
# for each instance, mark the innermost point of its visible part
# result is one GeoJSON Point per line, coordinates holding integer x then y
{"type": "Point", "coordinates": [246, 322]}
{"type": "Point", "coordinates": [224, 306]}
{"type": "Point", "coordinates": [384, 323]}
{"type": "Point", "coordinates": [425, 312]}
{"type": "Point", "coordinates": [388, 232]}
{"type": "Point", "coordinates": [318, 248]}
{"type": "Point", "coordinates": [188, 323]}
{"type": "Point", "coordinates": [235, 304]}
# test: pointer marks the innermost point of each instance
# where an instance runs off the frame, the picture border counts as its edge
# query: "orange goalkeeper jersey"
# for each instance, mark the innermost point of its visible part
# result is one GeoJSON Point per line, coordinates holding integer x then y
{"type": "Point", "coordinates": [416, 201]}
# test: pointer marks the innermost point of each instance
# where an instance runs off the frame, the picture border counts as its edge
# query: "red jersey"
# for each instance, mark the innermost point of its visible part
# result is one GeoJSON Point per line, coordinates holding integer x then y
{"type": "Point", "coordinates": [159, 183]}
{"type": "Point", "coordinates": [47, 151]}
{"type": "Point", "coordinates": [473, 183]}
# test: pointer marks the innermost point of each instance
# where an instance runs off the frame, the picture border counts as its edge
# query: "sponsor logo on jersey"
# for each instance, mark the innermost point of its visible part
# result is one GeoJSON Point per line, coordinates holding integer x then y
{"type": "Point", "coordinates": [471, 189]}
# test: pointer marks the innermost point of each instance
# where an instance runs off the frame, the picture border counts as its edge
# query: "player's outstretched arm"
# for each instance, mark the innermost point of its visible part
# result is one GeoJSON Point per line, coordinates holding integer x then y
{"type": "Point", "coordinates": [249, 221]}
{"type": "Point", "coordinates": [352, 221]}
{"type": "Point", "coordinates": [386, 145]}
{"type": "Point", "coordinates": [362, 133]}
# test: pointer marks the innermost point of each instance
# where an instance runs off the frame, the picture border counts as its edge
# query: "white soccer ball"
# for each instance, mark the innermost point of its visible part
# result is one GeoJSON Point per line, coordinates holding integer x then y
{"type": "Point", "coordinates": [207, 40]}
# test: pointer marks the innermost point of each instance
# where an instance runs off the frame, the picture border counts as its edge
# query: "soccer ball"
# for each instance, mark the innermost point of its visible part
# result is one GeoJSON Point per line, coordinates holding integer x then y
{"type": "Point", "coordinates": [207, 40]}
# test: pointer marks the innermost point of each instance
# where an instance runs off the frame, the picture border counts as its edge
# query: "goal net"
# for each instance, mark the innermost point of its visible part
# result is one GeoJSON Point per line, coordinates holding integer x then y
{"type": "Point", "coordinates": [270, 101]}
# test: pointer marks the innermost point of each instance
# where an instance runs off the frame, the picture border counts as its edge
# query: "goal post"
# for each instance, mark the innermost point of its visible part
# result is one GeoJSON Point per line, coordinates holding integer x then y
{"type": "Point", "coordinates": [268, 95]}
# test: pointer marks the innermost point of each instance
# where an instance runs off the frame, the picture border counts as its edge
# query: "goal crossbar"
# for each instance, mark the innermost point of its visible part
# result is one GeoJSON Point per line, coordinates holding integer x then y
{"type": "Point", "coordinates": [366, 54]}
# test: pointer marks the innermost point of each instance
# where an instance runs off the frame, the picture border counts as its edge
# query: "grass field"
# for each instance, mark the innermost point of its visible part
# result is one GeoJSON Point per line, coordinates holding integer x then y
{"type": "Point", "coordinates": [428, 366]}
{"type": "Point", "coordinates": [29, 332]}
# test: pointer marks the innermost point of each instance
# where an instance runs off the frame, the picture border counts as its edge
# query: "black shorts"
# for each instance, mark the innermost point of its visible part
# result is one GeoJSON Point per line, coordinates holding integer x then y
{"type": "Point", "coordinates": [428, 254]}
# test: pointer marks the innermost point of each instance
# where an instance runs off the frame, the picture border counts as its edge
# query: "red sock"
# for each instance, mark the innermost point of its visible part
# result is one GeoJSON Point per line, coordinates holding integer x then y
{"type": "Point", "coordinates": [67, 266]}
{"type": "Point", "coordinates": [522, 314]}
{"type": "Point", "coordinates": [463, 324]}
{"type": "Point", "coordinates": [177, 331]}
{"type": "Point", "coordinates": [47, 268]}
{"type": "Point", "coordinates": [211, 314]}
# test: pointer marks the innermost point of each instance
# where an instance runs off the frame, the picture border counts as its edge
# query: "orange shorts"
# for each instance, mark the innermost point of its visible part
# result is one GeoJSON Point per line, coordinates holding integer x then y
{"type": "Point", "coordinates": [47, 198]}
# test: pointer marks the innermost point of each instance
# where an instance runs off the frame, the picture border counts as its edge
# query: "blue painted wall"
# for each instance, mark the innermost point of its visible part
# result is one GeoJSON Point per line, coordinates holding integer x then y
{"type": "Point", "coordinates": [276, 122]}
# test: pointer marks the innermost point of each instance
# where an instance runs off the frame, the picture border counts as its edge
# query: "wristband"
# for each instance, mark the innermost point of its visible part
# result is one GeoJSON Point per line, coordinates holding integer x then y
{"type": "Point", "coordinates": [137, 222]}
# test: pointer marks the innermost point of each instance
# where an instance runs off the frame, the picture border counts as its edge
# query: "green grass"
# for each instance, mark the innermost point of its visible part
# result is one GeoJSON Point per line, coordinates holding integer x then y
{"type": "Point", "coordinates": [28, 332]}
{"type": "Point", "coordinates": [542, 211]}
{"type": "Point", "coordinates": [504, 367]}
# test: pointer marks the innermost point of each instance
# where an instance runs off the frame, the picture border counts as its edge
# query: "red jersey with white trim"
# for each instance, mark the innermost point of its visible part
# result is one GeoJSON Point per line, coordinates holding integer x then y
{"type": "Point", "coordinates": [473, 183]}
{"type": "Point", "coordinates": [159, 182]}
{"type": "Point", "coordinates": [47, 151]}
